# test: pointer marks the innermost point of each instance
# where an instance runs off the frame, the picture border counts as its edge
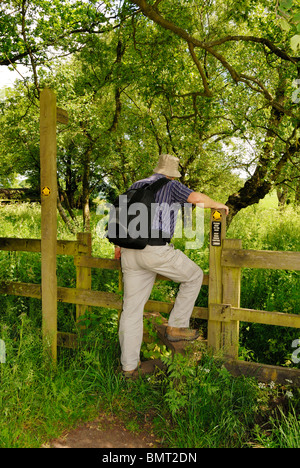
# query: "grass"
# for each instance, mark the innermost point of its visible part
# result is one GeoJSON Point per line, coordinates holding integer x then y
{"type": "Point", "coordinates": [38, 402]}
{"type": "Point", "coordinates": [283, 431]}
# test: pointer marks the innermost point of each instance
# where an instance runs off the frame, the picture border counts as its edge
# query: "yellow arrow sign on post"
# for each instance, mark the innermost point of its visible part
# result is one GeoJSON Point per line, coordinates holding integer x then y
{"type": "Point", "coordinates": [46, 191]}
{"type": "Point", "coordinates": [217, 215]}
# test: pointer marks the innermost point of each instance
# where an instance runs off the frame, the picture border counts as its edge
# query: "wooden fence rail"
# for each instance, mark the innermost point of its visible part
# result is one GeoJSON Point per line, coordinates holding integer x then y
{"type": "Point", "coordinates": [226, 313]}
{"type": "Point", "coordinates": [260, 259]}
{"type": "Point", "coordinates": [34, 245]}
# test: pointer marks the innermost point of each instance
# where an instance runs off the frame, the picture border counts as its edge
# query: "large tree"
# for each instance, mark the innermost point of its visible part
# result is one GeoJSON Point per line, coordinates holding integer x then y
{"type": "Point", "coordinates": [210, 81]}
{"type": "Point", "coordinates": [242, 45]}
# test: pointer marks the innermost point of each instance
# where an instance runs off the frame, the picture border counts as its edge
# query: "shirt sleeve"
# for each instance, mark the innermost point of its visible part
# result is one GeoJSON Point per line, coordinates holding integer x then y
{"type": "Point", "coordinates": [180, 192]}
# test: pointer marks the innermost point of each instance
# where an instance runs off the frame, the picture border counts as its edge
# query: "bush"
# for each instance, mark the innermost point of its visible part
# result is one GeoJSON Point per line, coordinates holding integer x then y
{"type": "Point", "coordinates": [209, 408]}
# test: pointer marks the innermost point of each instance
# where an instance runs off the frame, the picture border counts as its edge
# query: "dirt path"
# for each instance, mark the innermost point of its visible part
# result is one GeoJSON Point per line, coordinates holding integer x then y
{"type": "Point", "coordinates": [109, 432]}
{"type": "Point", "coordinates": [105, 432]}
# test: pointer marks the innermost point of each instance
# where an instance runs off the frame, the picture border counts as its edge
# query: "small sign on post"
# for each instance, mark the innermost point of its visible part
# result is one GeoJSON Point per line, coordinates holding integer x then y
{"type": "Point", "coordinates": [216, 229]}
{"type": "Point", "coordinates": [216, 234]}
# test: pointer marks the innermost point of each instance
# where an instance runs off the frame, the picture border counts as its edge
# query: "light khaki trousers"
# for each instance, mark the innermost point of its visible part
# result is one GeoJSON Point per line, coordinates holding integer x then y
{"type": "Point", "coordinates": [140, 268]}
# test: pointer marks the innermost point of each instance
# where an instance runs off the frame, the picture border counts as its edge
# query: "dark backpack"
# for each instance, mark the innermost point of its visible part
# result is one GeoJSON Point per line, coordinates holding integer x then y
{"type": "Point", "coordinates": [124, 220]}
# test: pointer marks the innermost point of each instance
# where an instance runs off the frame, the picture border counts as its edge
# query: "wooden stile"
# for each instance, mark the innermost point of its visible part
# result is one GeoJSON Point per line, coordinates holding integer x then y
{"type": "Point", "coordinates": [13, 244]}
{"type": "Point", "coordinates": [114, 264]}
{"type": "Point", "coordinates": [225, 313]}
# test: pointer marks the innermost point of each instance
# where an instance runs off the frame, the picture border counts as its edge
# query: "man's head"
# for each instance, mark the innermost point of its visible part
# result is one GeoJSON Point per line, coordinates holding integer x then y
{"type": "Point", "coordinates": [168, 166]}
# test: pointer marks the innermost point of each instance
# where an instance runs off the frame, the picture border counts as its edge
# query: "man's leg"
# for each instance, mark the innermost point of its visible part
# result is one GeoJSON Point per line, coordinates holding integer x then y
{"type": "Point", "coordinates": [191, 279]}
{"type": "Point", "coordinates": [138, 284]}
{"type": "Point", "coordinates": [175, 265]}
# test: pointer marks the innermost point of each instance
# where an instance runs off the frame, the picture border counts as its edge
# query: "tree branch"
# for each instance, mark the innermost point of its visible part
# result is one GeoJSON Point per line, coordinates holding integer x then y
{"type": "Point", "coordinates": [259, 40]}
{"type": "Point", "coordinates": [153, 14]}
{"type": "Point", "coordinates": [32, 60]}
{"type": "Point", "coordinates": [207, 92]}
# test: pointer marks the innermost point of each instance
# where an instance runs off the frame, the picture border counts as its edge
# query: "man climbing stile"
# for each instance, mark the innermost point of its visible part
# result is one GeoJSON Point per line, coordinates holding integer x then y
{"type": "Point", "coordinates": [140, 266]}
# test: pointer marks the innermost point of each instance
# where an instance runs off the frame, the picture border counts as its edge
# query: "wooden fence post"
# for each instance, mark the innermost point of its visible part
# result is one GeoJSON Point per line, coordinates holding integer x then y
{"type": "Point", "coordinates": [48, 180]}
{"type": "Point", "coordinates": [231, 295]}
{"type": "Point", "coordinates": [217, 235]}
{"type": "Point", "coordinates": [83, 274]}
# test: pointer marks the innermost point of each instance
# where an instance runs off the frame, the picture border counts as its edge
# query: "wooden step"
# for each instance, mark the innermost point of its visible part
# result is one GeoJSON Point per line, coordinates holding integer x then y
{"type": "Point", "coordinates": [151, 366]}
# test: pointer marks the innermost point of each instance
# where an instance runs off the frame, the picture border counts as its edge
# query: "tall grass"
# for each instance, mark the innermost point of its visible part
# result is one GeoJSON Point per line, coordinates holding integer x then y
{"type": "Point", "coordinates": [283, 431]}
{"type": "Point", "coordinates": [37, 401]}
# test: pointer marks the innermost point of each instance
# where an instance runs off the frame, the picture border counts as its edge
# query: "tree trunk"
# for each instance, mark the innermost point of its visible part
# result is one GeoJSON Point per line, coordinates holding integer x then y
{"type": "Point", "coordinates": [261, 182]}
{"type": "Point", "coordinates": [282, 195]}
{"type": "Point", "coordinates": [69, 179]}
{"type": "Point", "coordinates": [64, 216]}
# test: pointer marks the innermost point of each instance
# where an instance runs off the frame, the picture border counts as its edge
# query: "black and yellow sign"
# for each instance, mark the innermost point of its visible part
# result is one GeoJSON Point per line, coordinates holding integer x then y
{"type": "Point", "coordinates": [216, 233]}
{"type": "Point", "coordinates": [46, 191]}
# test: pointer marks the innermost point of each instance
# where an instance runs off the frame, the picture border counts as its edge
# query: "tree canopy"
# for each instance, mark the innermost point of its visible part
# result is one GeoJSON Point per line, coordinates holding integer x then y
{"type": "Point", "coordinates": [213, 82]}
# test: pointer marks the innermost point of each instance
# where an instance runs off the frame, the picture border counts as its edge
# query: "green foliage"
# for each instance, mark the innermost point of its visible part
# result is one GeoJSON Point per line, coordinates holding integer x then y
{"type": "Point", "coordinates": [289, 12]}
{"type": "Point", "coordinates": [152, 348]}
{"type": "Point", "coordinates": [283, 432]}
{"type": "Point", "coordinates": [59, 24]}
{"type": "Point", "coordinates": [132, 91]}
{"type": "Point", "coordinates": [194, 388]}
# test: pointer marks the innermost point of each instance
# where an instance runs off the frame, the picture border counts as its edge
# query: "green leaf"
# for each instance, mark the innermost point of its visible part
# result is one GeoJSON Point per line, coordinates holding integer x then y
{"type": "Point", "coordinates": [285, 25]}
{"type": "Point", "coordinates": [286, 4]}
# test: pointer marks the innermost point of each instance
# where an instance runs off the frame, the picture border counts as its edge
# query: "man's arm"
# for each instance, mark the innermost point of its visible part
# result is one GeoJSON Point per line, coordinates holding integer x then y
{"type": "Point", "coordinates": [200, 198]}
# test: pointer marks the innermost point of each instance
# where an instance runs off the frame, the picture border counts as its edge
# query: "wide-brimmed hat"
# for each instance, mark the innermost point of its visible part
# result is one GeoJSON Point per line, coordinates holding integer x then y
{"type": "Point", "coordinates": [168, 166]}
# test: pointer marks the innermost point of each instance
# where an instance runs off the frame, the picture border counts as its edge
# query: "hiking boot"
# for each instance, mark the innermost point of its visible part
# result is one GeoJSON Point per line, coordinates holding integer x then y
{"type": "Point", "coordinates": [132, 374]}
{"type": "Point", "coordinates": [181, 334]}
